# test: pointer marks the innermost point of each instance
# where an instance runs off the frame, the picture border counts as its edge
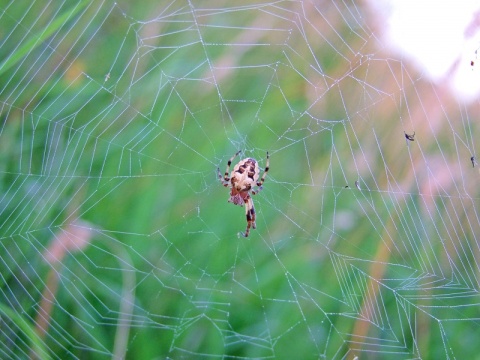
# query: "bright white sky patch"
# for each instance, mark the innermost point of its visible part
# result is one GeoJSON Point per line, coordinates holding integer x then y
{"type": "Point", "coordinates": [440, 37]}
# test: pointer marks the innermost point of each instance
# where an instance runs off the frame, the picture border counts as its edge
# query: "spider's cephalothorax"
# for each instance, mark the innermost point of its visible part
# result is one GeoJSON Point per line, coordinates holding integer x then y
{"type": "Point", "coordinates": [242, 180]}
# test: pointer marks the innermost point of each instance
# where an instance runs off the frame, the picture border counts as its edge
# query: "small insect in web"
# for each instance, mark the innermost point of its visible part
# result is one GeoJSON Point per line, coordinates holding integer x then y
{"type": "Point", "coordinates": [473, 160]}
{"type": "Point", "coordinates": [409, 137]}
{"type": "Point", "coordinates": [241, 181]}
{"type": "Point", "coordinates": [472, 62]}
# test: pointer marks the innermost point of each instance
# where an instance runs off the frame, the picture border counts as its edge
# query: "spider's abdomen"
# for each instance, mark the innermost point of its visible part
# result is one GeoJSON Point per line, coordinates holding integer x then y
{"type": "Point", "coordinates": [246, 170]}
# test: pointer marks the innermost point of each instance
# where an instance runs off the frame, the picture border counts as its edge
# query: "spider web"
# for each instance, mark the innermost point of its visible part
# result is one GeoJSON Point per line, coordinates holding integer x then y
{"type": "Point", "coordinates": [116, 240]}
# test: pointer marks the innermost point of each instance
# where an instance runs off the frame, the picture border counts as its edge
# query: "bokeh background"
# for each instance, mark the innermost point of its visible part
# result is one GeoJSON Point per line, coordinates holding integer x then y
{"type": "Point", "coordinates": [116, 239]}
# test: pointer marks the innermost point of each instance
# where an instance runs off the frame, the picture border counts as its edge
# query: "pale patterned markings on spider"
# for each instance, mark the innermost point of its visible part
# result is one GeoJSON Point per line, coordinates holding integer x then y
{"type": "Point", "coordinates": [242, 180]}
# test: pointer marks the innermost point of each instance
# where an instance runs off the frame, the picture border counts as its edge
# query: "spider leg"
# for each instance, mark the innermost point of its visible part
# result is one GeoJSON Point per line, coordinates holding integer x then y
{"type": "Point", "coordinates": [257, 190]}
{"type": "Point", "coordinates": [259, 183]}
{"type": "Point", "coordinates": [250, 214]}
{"type": "Point", "coordinates": [226, 178]}
{"type": "Point", "coordinates": [225, 181]}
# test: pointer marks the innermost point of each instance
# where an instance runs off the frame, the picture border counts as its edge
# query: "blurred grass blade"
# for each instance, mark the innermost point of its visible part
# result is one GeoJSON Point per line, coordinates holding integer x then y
{"type": "Point", "coordinates": [27, 330]}
{"type": "Point", "coordinates": [34, 42]}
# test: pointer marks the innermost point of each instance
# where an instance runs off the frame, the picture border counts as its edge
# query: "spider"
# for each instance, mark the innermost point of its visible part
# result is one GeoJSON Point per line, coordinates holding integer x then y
{"type": "Point", "coordinates": [241, 181]}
